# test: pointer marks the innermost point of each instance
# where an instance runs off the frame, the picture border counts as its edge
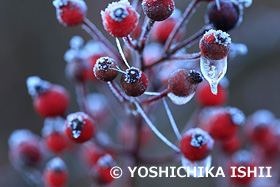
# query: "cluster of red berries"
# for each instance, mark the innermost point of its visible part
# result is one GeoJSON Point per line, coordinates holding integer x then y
{"type": "Point", "coordinates": [98, 61]}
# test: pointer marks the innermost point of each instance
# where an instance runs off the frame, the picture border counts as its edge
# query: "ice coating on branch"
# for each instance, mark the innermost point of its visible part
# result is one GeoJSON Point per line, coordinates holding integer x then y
{"type": "Point", "coordinates": [19, 136]}
{"type": "Point", "coordinates": [237, 115]}
{"type": "Point", "coordinates": [192, 167]}
{"type": "Point", "coordinates": [76, 42]}
{"type": "Point", "coordinates": [53, 125]}
{"type": "Point", "coordinates": [180, 100]}
{"type": "Point", "coordinates": [56, 164]}
{"type": "Point", "coordinates": [213, 71]}
{"type": "Point", "coordinates": [35, 85]}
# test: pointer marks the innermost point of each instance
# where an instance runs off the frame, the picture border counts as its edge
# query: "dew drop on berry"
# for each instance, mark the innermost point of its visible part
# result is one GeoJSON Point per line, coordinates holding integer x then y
{"type": "Point", "coordinates": [180, 100]}
{"type": "Point", "coordinates": [192, 167]}
{"type": "Point", "coordinates": [213, 71]}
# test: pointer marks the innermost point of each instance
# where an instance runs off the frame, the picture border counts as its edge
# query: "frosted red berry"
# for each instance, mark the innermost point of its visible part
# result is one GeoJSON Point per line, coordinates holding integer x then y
{"type": "Point", "coordinates": [70, 12]}
{"type": "Point", "coordinates": [223, 123]}
{"type": "Point", "coordinates": [215, 44]}
{"type": "Point", "coordinates": [158, 10]}
{"type": "Point", "coordinates": [205, 97]}
{"type": "Point", "coordinates": [134, 82]}
{"type": "Point", "coordinates": [102, 170]}
{"type": "Point", "coordinates": [184, 82]}
{"type": "Point", "coordinates": [55, 174]}
{"type": "Point", "coordinates": [119, 18]}
{"type": "Point", "coordinates": [79, 127]}
{"type": "Point", "coordinates": [227, 17]}
{"type": "Point", "coordinates": [105, 69]}
{"type": "Point", "coordinates": [231, 144]}
{"type": "Point", "coordinates": [196, 144]}
{"type": "Point", "coordinates": [49, 100]}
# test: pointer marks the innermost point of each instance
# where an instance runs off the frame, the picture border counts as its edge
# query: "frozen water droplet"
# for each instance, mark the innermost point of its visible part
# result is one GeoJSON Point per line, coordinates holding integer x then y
{"type": "Point", "coordinates": [196, 169]}
{"type": "Point", "coordinates": [213, 71]}
{"type": "Point", "coordinates": [180, 100]}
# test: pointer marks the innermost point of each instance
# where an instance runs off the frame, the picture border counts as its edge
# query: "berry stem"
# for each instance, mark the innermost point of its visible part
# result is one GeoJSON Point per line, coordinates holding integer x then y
{"type": "Point", "coordinates": [98, 36]}
{"type": "Point", "coordinates": [81, 93]}
{"type": "Point", "coordinates": [184, 20]}
{"type": "Point", "coordinates": [128, 41]}
{"type": "Point", "coordinates": [122, 53]}
{"type": "Point", "coordinates": [171, 119]}
{"type": "Point", "coordinates": [118, 92]}
{"type": "Point", "coordinates": [192, 56]}
{"type": "Point", "coordinates": [156, 97]}
{"type": "Point", "coordinates": [154, 129]}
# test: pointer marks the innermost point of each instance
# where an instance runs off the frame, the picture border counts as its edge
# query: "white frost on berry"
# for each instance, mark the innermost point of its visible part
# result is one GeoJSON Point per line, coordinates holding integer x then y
{"type": "Point", "coordinates": [242, 157]}
{"type": "Point", "coordinates": [237, 115]}
{"type": "Point", "coordinates": [35, 85]}
{"type": "Point", "coordinates": [135, 72]}
{"type": "Point", "coordinates": [176, 14]}
{"type": "Point", "coordinates": [180, 100]}
{"type": "Point", "coordinates": [221, 37]}
{"type": "Point", "coordinates": [263, 117]}
{"type": "Point", "coordinates": [74, 120]}
{"type": "Point", "coordinates": [91, 48]}
{"type": "Point", "coordinates": [106, 161]}
{"type": "Point", "coordinates": [76, 42]}
{"type": "Point", "coordinates": [19, 136]}
{"type": "Point", "coordinates": [196, 169]}
{"type": "Point", "coordinates": [204, 136]}
{"type": "Point", "coordinates": [71, 55]}
{"type": "Point", "coordinates": [58, 3]}
{"type": "Point", "coordinates": [52, 125]}
{"type": "Point", "coordinates": [56, 164]}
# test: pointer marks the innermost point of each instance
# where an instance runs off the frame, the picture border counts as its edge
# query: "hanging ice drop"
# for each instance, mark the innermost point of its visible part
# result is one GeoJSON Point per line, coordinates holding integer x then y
{"type": "Point", "coordinates": [214, 47]}
{"type": "Point", "coordinates": [213, 71]}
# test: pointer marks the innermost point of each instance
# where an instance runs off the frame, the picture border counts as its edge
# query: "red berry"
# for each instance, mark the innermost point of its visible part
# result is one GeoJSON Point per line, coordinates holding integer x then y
{"type": "Point", "coordinates": [245, 159]}
{"type": "Point", "coordinates": [25, 148]}
{"type": "Point", "coordinates": [215, 44]}
{"type": "Point", "coordinates": [49, 100]}
{"type": "Point", "coordinates": [196, 144]}
{"type": "Point", "coordinates": [119, 18]}
{"type": "Point", "coordinates": [134, 82]}
{"type": "Point", "coordinates": [183, 82]}
{"type": "Point", "coordinates": [79, 127]}
{"type": "Point", "coordinates": [232, 144]}
{"type": "Point", "coordinates": [70, 12]}
{"type": "Point", "coordinates": [223, 123]}
{"type": "Point", "coordinates": [205, 97]}
{"type": "Point", "coordinates": [91, 153]}
{"type": "Point", "coordinates": [55, 174]}
{"type": "Point", "coordinates": [105, 69]}
{"type": "Point", "coordinates": [102, 170]}
{"type": "Point", "coordinates": [227, 17]}
{"type": "Point", "coordinates": [158, 10]}
{"type": "Point", "coordinates": [54, 135]}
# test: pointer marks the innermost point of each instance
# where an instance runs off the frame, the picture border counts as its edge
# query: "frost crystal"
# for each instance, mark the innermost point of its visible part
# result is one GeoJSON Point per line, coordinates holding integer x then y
{"type": "Point", "coordinates": [221, 37]}
{"type": "Point", "coordinates": [56, 164]}
{"type": "Point", "coordinates": [237, 116]}
{"type": "Point", "coordinates": [106, 161]}
{"type": "Point", "coordinates": [200, 137]}
{"type": "Point", "coordinates": [132, 75]}
{"type": "Point", "coordinates": [112, 7]}
{"type": "Point", "coordinates": [36, 86]}
{"type": "Point", "coordinates": [53, 125]}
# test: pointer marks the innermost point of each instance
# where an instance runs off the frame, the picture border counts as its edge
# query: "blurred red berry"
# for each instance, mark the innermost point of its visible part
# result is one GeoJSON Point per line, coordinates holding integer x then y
{"type": "Point", "coordinates": [231, 144]}
{"type": "Point", "coordinates": [102, 170]}
{"type": "Point", "coordinates": [55, 174]}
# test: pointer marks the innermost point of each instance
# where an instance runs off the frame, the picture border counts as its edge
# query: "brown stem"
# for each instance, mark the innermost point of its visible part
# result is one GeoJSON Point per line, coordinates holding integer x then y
{"type": "Point", "coordinates": [191, 56]}
{"type": "Point", "coordinates": [99, 37]}
{"type": "Point", "coordinates": [184, 20]}
{"type": "Point", "coordinates": [156, 97]}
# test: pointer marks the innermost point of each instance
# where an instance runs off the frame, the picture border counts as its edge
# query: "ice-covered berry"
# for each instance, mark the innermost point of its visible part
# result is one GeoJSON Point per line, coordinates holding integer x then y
{"type": "Point", "coordinates": [102, 171]}
{"type": "Point", "coordinates": [79, 127]}
{"type": "Point", "coordinates": [158, 10]}
{"type": "Point", "coordinates": [119, 18]}
{"type": "Point", "coordinates": [225, 18]}
{"type": "Point", "coordinates": [196, 144]}
{"type": "Point", "coordinates": [215, 44]}
{"type": "Point", "coordinates": [134, 82]}
{"type": "Point", "coordinates": [70, 12]}
{"type": "Point", "coordinates": [184, 82]}
{"type": "Point", "coordinates": [55, 174]}
{"type": "Point", "coordinates": [105, 69]}
{"type": "Point", "coordinates": [49, 100]}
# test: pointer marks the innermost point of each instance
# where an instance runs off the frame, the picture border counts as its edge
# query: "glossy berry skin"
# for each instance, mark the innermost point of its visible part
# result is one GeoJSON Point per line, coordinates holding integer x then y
{"type": "Point", "coordinates": [196, 144]}
{"type": "Point", "coordinates": [224, 122]}
{"type": "Point", "coordinates": [205, 97]}
{"type": "Point", "coordinates": [105, 69]}
{"type": "Point", "coordinates": [226, 18]}
{"type": "Point", "coordinates": [183, 82]}
{"type": "Point", "coordinates": [162, 30]}
{"type": "Point", "coordinates": [158, 10]}
{"type": "Point", "coordinates": [134, 82]}
{"type": "Point", "coordinates": [79, 127]}
{"type": "Point", "coordinates": [215, 44]}
{"type": "Point", "coordinates": [55, 174]}
{"type": "Point", "coordinates": [119, 18]}
{"type": "Point", "coordinates": [53, 102]}
{"type": "Point", "coordinates": [56, 142]}
{"type": "Point", "coordinates": [70, 12]}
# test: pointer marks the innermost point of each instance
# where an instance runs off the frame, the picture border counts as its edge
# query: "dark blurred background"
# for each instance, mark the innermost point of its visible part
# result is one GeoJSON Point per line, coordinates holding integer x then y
{"type": "Point", "coordinates": [33, 43]}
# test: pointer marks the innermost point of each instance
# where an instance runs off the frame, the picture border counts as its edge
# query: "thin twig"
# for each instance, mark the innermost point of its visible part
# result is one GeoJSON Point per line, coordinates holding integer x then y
{"type": "Point", "coordinates": [130, 43]}
{"type": "Point", "coordinates": [118, 92]}
{"type": "Point", "coordinates": [122, 53]}
{"type": "Point", "coordinates": [156, 97]}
